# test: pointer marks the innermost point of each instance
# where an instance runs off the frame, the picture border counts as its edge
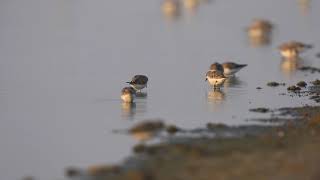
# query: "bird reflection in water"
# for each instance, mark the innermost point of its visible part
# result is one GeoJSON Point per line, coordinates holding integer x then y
{"type": "Point", "coordinates": [216, 95]}
{"type": "Point", "coordinates": [233, 81]}
{"type": "Point", "coordinates": [137, 108]}
{"type": "Point", "coordinates": [304, 6]}
{"type": "Point", "coordinates": [215, 100]}
{"type": "Point", "coordinates": [290, 66]}
{"type": "Point", "coordinates": [171, 9]}
{"type": "Point", "coordinates": [128, 110]}
{"type": "Point", "coordinates": [259, 32]}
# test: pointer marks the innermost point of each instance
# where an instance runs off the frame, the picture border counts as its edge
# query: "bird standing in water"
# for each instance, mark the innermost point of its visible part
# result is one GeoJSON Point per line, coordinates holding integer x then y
{"type": "Point", "coordinates": [292, 49]}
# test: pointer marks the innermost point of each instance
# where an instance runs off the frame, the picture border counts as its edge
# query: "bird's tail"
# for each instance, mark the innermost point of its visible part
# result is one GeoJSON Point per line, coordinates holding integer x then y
{"type": "Point", "coordinates": [242, 65]}
{"type": "Point", "coordinates": [308, 46]}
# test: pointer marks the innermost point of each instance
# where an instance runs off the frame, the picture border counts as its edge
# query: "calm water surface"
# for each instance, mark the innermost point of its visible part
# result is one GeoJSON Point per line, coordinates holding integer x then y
{"type": "Point", "coordinates": [64, 62]}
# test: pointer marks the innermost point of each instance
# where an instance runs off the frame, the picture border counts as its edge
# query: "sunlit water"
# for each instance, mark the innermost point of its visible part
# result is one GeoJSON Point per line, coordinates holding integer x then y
{"type": "Point", "coordinates": [63, 64]}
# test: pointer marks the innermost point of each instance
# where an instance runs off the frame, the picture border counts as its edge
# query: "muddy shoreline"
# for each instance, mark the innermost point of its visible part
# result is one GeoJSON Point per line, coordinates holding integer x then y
{"type": "Point", "coordinates": [284, 149]}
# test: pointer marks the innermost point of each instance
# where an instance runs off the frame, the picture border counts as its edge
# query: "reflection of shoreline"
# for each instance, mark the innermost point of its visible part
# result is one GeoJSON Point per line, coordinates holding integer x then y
{"type": "Point", "coordinates": [137, 108]}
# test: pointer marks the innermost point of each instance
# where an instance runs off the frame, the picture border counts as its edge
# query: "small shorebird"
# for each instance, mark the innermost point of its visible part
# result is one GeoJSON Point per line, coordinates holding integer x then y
{"type": "Point", "coordinates": [128, 94]}
{"type": "Point", "coordinates": [139, 82]}
{"type": "Point", "coordinates": [259, 32]}
{"type": "Point", "coordinates": [230, 68]}
{"type": "Point", "coordinates": [216, 67]}
{"type": "Point", "coordinates": [292, 49]}
{"type": "Point", "coordinates": [215, 78]}
{"type": "Point", "coordinates": [170, 8]}
{"type": "Point", "coordinates": [259, 28]}
{"type": "Point", "coordinates": [191, 5]}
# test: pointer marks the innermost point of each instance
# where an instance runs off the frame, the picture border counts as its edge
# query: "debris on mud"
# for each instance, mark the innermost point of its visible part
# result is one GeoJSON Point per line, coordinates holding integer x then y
{"type": "Point", "coordinates": [172, 129]}
{"type": "Point", "coordinates": [275, 84]}
{"type": "Point", "coordinates": [216, 125]}
{"type": "Point", "coordinates": [294, 88]}
{"type": "Point", "coordinates": [147, 126]}
{"type": "Point", "coordinates": [316, 82]}
{"type": "Point", "coordinates": [260, 110]}
{"type": "Point", "coordinates": [310, 69]}
{"type": "Point", "coordinates": [302, 84]}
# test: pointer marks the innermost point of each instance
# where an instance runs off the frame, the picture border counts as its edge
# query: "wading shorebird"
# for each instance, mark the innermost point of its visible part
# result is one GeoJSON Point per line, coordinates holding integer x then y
{"type": "Point", "coordinates": [216, 67]}
{"type": "Point", "coordinates": [171, 8]}
{"type": "Point", "coordinates": [230, 68]}
{"type": "Point", "coordinates": [128, 94]}
{"type": "Point", "coordinates": [259, 32]}
{"type": "Point", "coordinates": [215, 78]}
{"type": "Point", "coordinates": [139, 82]}
{"type": "Point", "coordinates": [292, 49]}
{"type": "Point", "coordinates": [191, 5]}
{"type": "Point", "coordinates": [259, 28]}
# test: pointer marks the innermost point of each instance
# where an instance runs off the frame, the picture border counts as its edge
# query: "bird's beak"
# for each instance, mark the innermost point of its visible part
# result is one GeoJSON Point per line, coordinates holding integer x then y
{"type": "Point", "coordinates": [128, 82]}
{"type": "Point", "coordinates": [206, 79]}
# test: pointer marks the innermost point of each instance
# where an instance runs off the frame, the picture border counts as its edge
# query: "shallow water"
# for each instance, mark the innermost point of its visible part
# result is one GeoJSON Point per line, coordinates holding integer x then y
{"type": "Point", "coordinates": [63, 64]}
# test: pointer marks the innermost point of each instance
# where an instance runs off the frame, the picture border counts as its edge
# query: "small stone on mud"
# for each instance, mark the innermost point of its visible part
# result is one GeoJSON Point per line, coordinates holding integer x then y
{"type": "Point", "coordinates": [147, 126]}
{"type": "Point", "coordinates": [28, 178]}
{"type": "Point", "coordinates": [260, 110]}
{"type": "Point", "coordinates": [139, 148]}
{"type": "Point", "coordinates": [172, 129]}
{"type": "Point", "coordinates": [310, 69]}
{"type": "Point", "coordinates": [97, 170]}
{"type": "Point", "coordinates": [293, 88]}
{"type": "Point", "coordinates": [302, 84]}
{"type": "Point", "coordinates": [275, 84]}
{"type": "Point", "coordinates": [216, 125]}
{"type": "Point", "coordinates": [316, 82]}
{"type": "Point", "coordinates": [137, 175]}
{"type": "Point", "coordinates": [72, 172]}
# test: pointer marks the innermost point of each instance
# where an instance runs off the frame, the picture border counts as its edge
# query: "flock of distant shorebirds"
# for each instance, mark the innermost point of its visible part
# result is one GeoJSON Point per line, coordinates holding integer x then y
{"type": "Point", "coordinates": [218, 73]}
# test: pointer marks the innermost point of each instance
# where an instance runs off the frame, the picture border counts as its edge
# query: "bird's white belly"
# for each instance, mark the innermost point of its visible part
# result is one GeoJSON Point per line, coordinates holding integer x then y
{"type": "Point", "coordinates": [138, 86]}
{"type": "Point", "coordinates": [216, 82]}
{"type": "Point", "coordinates": [289, 54]}
{"type": "Point", "coordinates": [127, 98]}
